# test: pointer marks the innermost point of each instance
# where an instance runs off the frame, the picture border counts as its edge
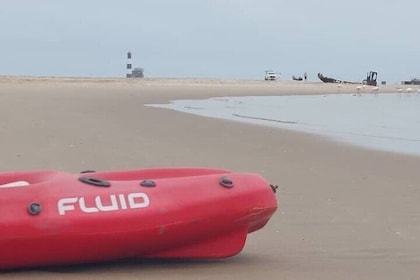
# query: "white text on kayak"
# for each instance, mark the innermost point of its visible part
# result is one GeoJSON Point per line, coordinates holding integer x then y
{"type": "Point", "coordinates": [114, 202]}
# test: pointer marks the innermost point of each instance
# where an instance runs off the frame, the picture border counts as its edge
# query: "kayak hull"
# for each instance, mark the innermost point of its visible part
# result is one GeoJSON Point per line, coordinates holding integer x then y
{"type": "Point", "coordinates": [60, 218]}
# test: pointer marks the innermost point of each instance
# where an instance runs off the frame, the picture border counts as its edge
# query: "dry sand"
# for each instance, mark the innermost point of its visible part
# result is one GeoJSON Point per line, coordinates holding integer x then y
{"type": "Point", "coordinates": [345, 212]}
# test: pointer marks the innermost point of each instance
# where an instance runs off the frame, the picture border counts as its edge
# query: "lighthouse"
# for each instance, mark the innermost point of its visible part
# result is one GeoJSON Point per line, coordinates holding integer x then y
{"type": "Point", "coordinates": [129, 65]}
{"type": "Point", "coordinates": [133, 73]}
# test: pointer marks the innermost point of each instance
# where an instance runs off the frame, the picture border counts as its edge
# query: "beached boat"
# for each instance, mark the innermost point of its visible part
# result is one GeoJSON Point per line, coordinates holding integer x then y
{"type": "Point", "coordinates": [327, 79]}
{"type": "Point", "coordinates": [370, 80]}
{"type": "Point", "coordinates": [58, 218]}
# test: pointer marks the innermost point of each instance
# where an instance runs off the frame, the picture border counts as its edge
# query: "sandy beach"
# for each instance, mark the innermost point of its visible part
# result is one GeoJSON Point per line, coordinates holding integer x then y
{"type": "Point", "coordinates": [345, 212]}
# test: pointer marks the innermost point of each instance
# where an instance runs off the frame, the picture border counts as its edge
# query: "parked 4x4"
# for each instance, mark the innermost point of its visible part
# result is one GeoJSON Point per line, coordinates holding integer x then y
{"type": "Point", "coordinates": [270, 75]}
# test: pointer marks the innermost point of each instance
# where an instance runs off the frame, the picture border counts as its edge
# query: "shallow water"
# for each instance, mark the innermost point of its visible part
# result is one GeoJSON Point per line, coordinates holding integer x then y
{"type": "Point", "coordinates": [388, 122]}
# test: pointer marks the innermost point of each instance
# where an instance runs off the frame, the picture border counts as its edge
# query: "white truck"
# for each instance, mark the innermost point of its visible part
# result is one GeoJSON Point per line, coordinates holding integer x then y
{"type": "Point", "coordinates": [270, 75]}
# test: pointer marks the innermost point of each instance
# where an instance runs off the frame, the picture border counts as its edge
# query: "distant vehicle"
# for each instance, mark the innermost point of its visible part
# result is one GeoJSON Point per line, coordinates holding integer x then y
{"type": "Point", "coordinates": [414, 81]}
{"type": "Point", "coordinates": [297, 78]}
{"type": "Point", "coordinates": [137, 73]}
{"type": "Point", "coordinates": [371, 79]}
{"type": "Point", "coordinates": [270, 75]}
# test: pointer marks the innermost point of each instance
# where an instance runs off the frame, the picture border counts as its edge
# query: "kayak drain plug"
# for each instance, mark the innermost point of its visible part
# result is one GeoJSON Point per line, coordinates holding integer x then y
{"type": "Point", "coordinates": [34, 208]}
{"type": "Point", "coordinates": [148, 183]}
{"type": "Point", "coordinates": [226, 182]}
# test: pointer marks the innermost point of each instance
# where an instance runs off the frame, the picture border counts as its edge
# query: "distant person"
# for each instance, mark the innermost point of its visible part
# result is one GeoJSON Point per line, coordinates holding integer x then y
{"type": "Point", "coordinates": [305, 76]}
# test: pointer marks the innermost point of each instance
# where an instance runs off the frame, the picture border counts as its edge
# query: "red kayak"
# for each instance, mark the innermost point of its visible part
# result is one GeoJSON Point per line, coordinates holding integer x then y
{"type": "Point", "coordinates": [56, 218]}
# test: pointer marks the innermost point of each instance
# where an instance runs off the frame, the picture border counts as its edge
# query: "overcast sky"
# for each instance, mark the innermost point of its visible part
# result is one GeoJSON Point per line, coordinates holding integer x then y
{"type": "Point", "coordinates": [217, 39]}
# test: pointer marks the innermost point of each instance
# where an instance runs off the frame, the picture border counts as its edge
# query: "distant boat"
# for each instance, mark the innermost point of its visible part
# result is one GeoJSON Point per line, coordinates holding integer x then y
{"type": "Point", "coordinates": [370, 79]}
{"type": "Point", "coordinates": [327, 79]}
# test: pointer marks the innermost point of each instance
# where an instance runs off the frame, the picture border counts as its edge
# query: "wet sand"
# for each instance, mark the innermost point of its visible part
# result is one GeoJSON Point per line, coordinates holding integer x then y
{"type": "Point", "coordinates": [345, 212]}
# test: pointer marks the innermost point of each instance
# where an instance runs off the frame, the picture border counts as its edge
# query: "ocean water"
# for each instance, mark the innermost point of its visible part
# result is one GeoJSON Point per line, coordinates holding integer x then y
{"type": "Point", "coordinates": [389, 122]}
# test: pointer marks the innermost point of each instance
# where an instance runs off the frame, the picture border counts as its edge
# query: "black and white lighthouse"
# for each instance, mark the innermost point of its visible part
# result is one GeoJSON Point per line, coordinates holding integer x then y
{"type": "Point", "coordinates": [129, 65]}
{"type": "Point", "coordinates": [133, 73]}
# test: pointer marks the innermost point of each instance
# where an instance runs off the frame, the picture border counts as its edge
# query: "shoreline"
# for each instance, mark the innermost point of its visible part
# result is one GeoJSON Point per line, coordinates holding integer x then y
{"type": "Point", "coordinates": [306, 87]}
{"type": "Point", "coordinates": [317, 117]}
